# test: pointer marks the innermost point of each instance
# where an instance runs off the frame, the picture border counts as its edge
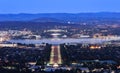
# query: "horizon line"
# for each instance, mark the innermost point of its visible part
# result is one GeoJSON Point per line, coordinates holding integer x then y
{"type": "Point", "coordinates": [60, 12]}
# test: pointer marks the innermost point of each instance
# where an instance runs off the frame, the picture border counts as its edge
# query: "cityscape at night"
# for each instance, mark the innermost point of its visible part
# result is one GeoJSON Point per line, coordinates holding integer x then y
{"type": "Point", "coordinates": [59, 36]}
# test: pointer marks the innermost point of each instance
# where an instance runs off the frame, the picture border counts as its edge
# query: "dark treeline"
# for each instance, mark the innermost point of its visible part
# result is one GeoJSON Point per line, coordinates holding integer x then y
{"type": "Point", "coordinates": [30, 25]}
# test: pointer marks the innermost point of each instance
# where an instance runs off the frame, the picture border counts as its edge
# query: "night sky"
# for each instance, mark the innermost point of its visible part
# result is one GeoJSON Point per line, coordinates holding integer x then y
{"type": "Point", "coordinates": [58, 6]}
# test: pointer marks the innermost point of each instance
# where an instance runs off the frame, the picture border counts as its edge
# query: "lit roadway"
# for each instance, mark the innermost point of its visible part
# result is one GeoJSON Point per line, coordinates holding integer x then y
{"type": "Point", "coordinates": [55, 57]}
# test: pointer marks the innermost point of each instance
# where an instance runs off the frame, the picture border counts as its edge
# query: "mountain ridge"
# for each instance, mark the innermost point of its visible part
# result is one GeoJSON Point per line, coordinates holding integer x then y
{"type": "Point", "coordinates": [73, 17]}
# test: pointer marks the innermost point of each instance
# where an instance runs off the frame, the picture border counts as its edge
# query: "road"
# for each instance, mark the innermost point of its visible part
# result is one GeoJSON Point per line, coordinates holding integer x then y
{"type": "Point", "coordinates": [55, 57]}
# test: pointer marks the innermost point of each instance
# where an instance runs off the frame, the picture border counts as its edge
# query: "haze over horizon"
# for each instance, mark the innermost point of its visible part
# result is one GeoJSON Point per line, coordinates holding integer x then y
{"type": "Point", "coordinates": [59, 6]}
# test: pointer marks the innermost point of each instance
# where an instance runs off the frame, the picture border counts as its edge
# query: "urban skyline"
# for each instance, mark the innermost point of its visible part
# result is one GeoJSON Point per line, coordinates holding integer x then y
{"type": "Point", "coordinates": [59, 36]}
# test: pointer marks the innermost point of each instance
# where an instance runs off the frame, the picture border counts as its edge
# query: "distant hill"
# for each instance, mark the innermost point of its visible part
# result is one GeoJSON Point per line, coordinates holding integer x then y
{"type": "Point", "coordinates": [60, 17]}
{"type": "Point", "coordinates": [47, 20]}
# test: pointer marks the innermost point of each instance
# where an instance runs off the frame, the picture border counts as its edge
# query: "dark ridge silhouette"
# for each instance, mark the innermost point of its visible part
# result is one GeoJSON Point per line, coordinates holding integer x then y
{"type": "Point", "coordinates": [45, 19]}
{"type": "Point", "coordinates": [73, 17]}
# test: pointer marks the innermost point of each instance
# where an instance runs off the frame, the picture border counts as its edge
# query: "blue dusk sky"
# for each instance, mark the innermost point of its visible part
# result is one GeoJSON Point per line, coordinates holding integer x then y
{"type": "Point", "coordinates": [58, 6]}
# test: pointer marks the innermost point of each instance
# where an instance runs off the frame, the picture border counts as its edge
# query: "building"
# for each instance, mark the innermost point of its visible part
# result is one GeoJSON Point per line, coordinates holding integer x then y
{"type": "Point", "coordinates": [7, 44]}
